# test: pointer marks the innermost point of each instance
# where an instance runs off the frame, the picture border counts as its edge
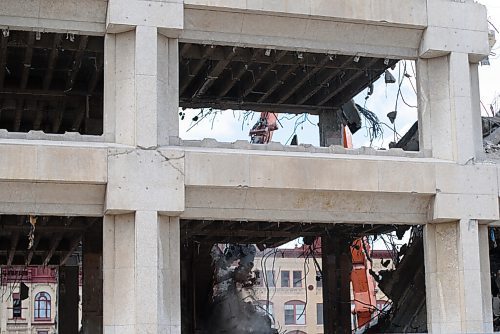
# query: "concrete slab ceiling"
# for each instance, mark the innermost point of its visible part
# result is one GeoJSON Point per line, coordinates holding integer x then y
{"type": "Point", "coordinates": [271, 234]}
{"type": "Point", "coordinates": [231, 77]}
{"type": "Point", "coordinates": [51, 82]}
{"type": "Point", "coordinates": [54, 239]}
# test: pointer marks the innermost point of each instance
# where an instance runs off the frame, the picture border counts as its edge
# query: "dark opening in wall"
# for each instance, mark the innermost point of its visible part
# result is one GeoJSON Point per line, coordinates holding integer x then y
{"type": "Point", "coordinates": [51, 82]}
{"type": "Point", "coordinates": [51, 270]}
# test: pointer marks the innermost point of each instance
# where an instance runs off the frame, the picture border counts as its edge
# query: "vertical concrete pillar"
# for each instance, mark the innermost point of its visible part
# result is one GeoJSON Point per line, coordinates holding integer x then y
{"type": "Point", "coordinates": [447, 116]}
{"type": "Point", "coordinates": [330, 128]}
{"type": "Point", "coordinates": [68, 300]}
{"type": "Point", "coordinates": [453, 278]}
{"type": "Point", "coordinates": [92, 280]}
{"type": "Point", "coordinates": [141, 95]}
{"type": "Point", "coordinates": [337, 267]}
{"type": "Point", "coordinates": [168, 89]}
{"type": "Point", "coordinates": [477, 130]}
{"type": "Point", "coordinates": [484, 257]}
{"type": "Point", "coordinates": [142, 273]}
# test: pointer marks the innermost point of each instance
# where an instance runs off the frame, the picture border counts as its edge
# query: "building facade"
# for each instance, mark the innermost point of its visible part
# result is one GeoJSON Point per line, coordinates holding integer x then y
{"type": "Point", "coordinates": [37, 314]}
{"type": "Point", "coordinates": [291, 282]}
{"type": "Point", "coordinates": [143, 182]}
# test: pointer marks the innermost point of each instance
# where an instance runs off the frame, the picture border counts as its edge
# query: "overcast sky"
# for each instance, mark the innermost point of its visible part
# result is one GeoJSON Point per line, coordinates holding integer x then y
{"type": "Point", "coordinates": [233, 125]}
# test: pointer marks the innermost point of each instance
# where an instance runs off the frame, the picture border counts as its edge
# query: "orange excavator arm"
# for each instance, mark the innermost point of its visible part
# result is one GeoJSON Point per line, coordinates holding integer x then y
{"type": "Point", "coordinates": [363, 284]}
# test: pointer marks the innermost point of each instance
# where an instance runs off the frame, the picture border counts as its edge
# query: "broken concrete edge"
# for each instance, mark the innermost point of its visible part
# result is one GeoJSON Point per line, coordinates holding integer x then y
{"type": "Point", "coordinates": [213, 143]}
{"type": "Point", "coordinates": [40, 135]}
{"type": "Point", "coordinates": [306, 148]}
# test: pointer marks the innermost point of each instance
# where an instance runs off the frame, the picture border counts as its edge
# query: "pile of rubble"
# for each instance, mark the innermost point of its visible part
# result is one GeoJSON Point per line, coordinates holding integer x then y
{"type": "Point", "coordinates": [491, 134]}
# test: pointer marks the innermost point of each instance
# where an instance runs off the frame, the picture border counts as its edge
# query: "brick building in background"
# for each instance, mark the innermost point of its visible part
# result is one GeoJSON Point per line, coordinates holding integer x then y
{"type": "Point", "coordinates": [291, 282]}
{"type": "Point", "coordinates": [37, 314]}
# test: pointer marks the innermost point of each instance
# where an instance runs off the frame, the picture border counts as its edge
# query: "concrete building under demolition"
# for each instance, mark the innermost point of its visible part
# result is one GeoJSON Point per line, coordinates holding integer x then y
{"type": "Point", "coordinates": [90, 156]}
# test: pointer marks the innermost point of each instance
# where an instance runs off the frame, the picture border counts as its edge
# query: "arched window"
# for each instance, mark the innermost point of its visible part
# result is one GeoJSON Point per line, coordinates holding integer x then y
{"type": "Point", "coordinates": [296, 332]}
{"type": "Point", "coordinates": [295, 313]}
{"type": "Point", "coordinates": [266, 308]}
{"type": "Point", "coordinates": [42, 306]}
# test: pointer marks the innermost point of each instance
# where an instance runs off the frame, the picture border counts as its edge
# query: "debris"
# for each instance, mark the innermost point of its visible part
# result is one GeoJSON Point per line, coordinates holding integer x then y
{"type": "Point", "coordinates": [235, 309]}
{"type": "Point", "coordinates": [31, 234]}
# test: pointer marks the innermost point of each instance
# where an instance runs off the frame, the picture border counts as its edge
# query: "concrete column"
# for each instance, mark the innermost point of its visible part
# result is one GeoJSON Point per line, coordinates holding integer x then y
{"type": "Point", "coordinates": [141, 95]}
{"type": "Point", "coordinates": [477, 130]}
{"type": "Point", "coordinates": [142, 273]}
{"type": "Point", "coordinates": [484, 257]}
{"type": "Point", "coordinates": [448, 118]}
{"type": "Point", "coordinates": [337, 267]}
{"type": "Point", "coordinates": [330, 128]}
{"type": "Point", "coordinates": [454, 278]}
{"type": "Point", "coordinates": [92, 295]}
{"type": "Point", "coordinates": [68, 300]}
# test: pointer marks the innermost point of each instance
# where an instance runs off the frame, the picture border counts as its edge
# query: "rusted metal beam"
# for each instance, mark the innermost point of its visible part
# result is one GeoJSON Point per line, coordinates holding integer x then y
{"type": "Point", "coordinates": [18, 116]}
{"type": "Point", "coordinates": [13, 245]}
{"type": "Point", "coordinates": [196, 69]}
{"type": "Point", "coordinates": [54, 52]}
{"type": "Point", "coordinates": [77, 62]}
{"type": "Point", "coordinates": [298, 82]}
{"type": "Point", "coordinates": [242, 69]}
{"type": "Point", "coordinates": [336, 276]}
{"type": "Point", "coordinates": [214, 74]}
{"type": "Point", "coordinates": [361, 83]}
{"type": "Point", "coordinates": [229, 83]}
{"type": "Point", "coordinates": [279, 82]}
{"type": "Point", "coordinates": [325, 79]}
{"type": "Point", "coordinates": [261, 76]}
{"type": "Point", "coordinates": [28, 55]}
{"type": "Point", "coordinates": [353, 76]}
{"type": "Point", "coordinates": [37, 94]}
{"type": "Point", "coordinates": [254, 106]}
{"type": "Point", "coordinates": [55, 240]}
{"type": "Point", "coordinates": [184, 49]}
{"type": "Point", "coordinates": [291, 59]}
{"type": "Point", "coordinates": [73, 246]}
{"type": "Point", "coordinates": [3, 59]}
{"type": "Point", "coordinates": [96, 76]}
{"type": "Point", "coordinates": [77, 123]}
{"type": "Point", "coordinates": [56, 123]}
{"type": "Point", "coordinates": [39, 115]}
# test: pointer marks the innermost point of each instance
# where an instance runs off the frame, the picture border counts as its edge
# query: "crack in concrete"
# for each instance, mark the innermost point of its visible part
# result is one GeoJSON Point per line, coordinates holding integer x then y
{"type": "Point", "coordinates": [120, 153]}
{"type": "Point", "coordinates": [169, 161]}
{"type": "Point", "coordinates": [154, 148]}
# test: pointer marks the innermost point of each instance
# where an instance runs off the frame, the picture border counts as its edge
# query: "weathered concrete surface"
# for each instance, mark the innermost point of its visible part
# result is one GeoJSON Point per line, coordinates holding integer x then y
{"type": "Point", "coordinates": [141, 277]}
{"type": "Point", "coordinates": [454, 281]}
{"type": "Point", "coordinates": [145, 180]}
{"type": "Point", "coordinates": [142, 186]}
{"type": "Point", "coordinates": [87, 16]}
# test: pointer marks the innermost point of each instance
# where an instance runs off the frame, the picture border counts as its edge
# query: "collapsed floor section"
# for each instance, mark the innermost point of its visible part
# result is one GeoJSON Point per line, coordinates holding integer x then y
{"type": "Point", "coordinates": [235, 277]}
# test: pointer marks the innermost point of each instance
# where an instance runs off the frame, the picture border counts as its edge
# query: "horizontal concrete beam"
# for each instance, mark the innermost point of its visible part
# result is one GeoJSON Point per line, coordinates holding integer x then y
{"type": "Point", "coordinates": [124, 15]}
{"type": "Point", "coordinates": [53, 162]}
{"type": "Point", "coordinates": [410, 13]}
{"type": "Point", "coordinates": [299, 33]}
{"type": "Point", "coordinates": [77, 16]}
{"type": "Point", "coordinates": [145, 180]}
{"type": "Point", "coordinates": [52, 199]}
{"type": "Point", "coordinates": [463, 29]}
{"type": "Point", "coordinates": [243, 203]}
{"type": "Point", "coordinates": [279, 170]}
{"type": "Point", "coordinates": [218, 183]}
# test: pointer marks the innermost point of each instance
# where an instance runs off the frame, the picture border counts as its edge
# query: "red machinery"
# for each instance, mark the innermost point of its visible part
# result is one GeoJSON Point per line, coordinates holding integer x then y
{"type": "Point", "coordinates": [262, 131]}
{"type": "Point", "coordinates": [363, 284]}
